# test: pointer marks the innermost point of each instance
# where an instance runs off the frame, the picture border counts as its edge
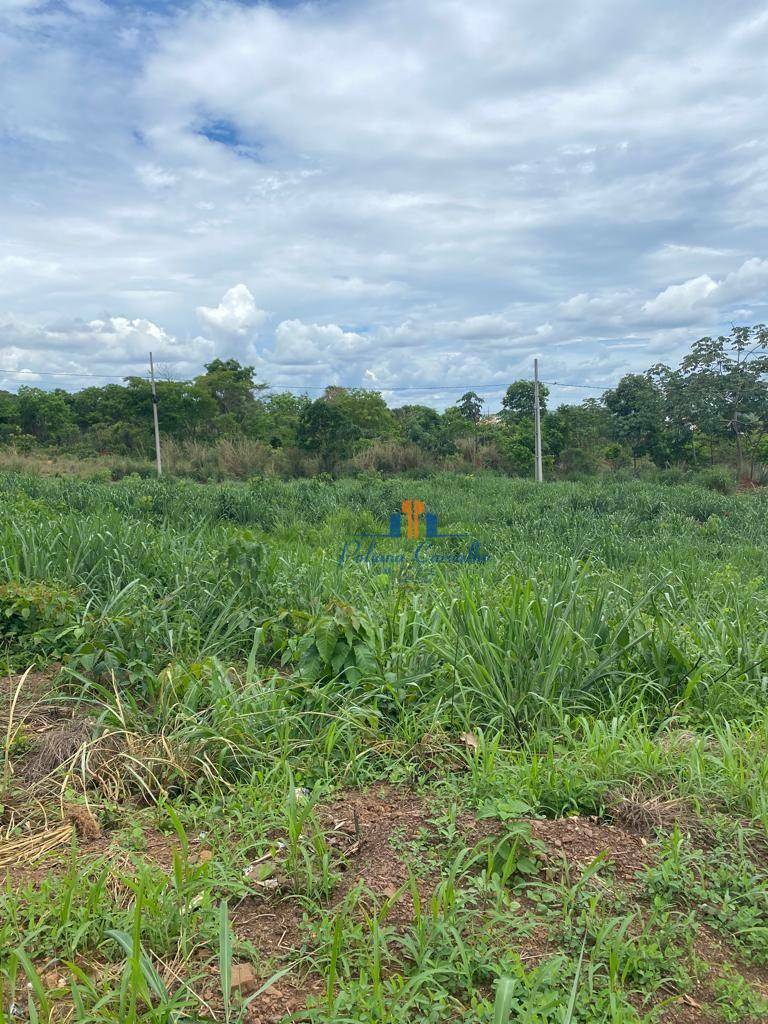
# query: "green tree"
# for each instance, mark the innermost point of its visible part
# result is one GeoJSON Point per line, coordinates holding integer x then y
{"type": "Point", "coordinates": [636, 406]}
{"type": "Point", "coordinates": [456, 425]}
{"type": "Point", "coordinates": [725, 378]}
{"type": "Point", "coordinates": [426, 428]}
{"type": "Point", "coordinates": [233, 388]}
{"type": "Point", "coordinates": [516, 445]}
{"type": "Point", "coordinates": [470, 406]}
{"type": "Point", "coordinates": [366, 409]}
{"type": "Point", "coordinates": [326, 429]}
{"type": "Point", "coordinates": [517, 403]}
{"type": "Point", "coordinates": [583, 426]}
{"type": "Point", "coordinates": [282, 417]}
{"type": "Point", "coordinates": [46, 415]}
{"type": "Point", "coordinates": [10, 423]}
{"type": "Point", "coordinates": [118, 418]}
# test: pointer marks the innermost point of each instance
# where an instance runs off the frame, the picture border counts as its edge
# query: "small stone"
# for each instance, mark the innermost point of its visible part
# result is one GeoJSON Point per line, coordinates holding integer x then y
{"type": "Point", "coordinates": [244, 978]}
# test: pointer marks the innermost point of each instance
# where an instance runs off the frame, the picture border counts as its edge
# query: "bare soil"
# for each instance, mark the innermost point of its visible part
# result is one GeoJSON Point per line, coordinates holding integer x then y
{"type": "Point", "coordinates": [372, 832]}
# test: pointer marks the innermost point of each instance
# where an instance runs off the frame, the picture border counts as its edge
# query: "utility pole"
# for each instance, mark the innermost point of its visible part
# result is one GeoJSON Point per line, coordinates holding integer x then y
{"type": "Point", "coordinates": [154, 416]}
{"type": "Point", "coordinates": [537, 422]}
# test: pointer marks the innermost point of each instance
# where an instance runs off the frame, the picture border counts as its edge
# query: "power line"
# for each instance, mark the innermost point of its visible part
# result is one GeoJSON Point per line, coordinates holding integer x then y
{"type": "Point", "coordinates": [382, 386]}
{"type": "Point", "coordinates": [52, 373]}
{"type": "Point", "coordinates": [373, 385]}
{"type": "Point", "coordinates": [496, 385]}
{"type": "Point", "coordinates": [588, 387]}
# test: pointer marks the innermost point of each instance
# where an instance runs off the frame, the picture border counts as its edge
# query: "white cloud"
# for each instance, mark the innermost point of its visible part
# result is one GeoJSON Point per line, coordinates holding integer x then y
{"type": "Point", "coordinates": [154, 176]}
{"type": "Point", "coordinates": [488, 329]}
{"type": "Point", "coordinates": [569, 195]}
{"type": "Point", "coordinates": [750, 281]}
{"type": "Point", "coordinates": [596, 308]}
{"type": "Point", "coordinates": [680, 299]}
{"type": "Point", "coordinates": [236, 314]}
{"type": "Point", "coordinates": [113, 345]}
{"type": "Point", "coordinates": [300, 344]}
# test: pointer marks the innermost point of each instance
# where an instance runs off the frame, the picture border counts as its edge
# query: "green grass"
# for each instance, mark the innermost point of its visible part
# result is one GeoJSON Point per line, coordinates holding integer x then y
{"type": "Point", "coordinates": [236, 679]}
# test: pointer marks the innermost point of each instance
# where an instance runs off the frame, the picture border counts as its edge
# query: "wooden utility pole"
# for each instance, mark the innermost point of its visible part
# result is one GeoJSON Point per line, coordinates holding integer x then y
{"type": "Point", "coordinates": [154, 416]}
{"type": "Point", "coordinates": [537, 422]}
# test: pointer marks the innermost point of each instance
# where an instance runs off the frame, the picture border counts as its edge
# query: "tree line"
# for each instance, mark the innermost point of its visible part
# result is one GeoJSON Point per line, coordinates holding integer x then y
{"type": "Point", "coordinates": [711, 410]}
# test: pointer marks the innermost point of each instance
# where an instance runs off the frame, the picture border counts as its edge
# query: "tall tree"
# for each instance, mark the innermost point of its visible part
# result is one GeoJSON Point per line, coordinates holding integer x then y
{"type": "Point", "coordinates": [283, 413]}
{"type": "Point", "coordinates": [636, 405]}
{"type": "Point", "coordinates": [470, 406]}
{"type": "Point", "coordinates": [582, 428]}
{"type": "Point", "coordinates": [46, 415]}
{"type": "Point", "coordinates": [427, 429]}
{"type": "Point", "coordinates": [9, 416]}
{"type": "Point", "coordinates": [366, 409]}
{"type": "Point", "coordinates": [517, 403]}
{"type": "Point", "coordinates": [233, 387]}
{"type": "Point", "coordinates": [327, 430]}
{"type": "Point", "coordinates": [726, 377]}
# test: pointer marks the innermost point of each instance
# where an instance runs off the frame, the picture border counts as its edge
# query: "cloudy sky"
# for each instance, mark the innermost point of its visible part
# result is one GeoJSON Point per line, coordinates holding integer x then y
{"type": "Point", "coordinates": [406, 195]}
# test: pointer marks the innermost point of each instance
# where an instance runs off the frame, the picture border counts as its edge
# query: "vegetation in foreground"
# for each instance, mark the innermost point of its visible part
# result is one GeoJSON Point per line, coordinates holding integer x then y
{"type": "Point", "coordinates": [245, 782]}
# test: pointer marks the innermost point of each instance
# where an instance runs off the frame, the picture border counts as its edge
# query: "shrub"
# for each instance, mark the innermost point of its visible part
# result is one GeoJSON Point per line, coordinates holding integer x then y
{"type": "Point", "coordinates": [672, 476]}
{"type": "Point", "coordinates": [577, 462]}
{"type": "Point", "coordinates": [33, 618]}
{"type": "Point", "coordinates": [720, 480]}
{"type": "Point", "coordinates": [124, 468]}
{"type": "Point", "coordinates": [390, 457]}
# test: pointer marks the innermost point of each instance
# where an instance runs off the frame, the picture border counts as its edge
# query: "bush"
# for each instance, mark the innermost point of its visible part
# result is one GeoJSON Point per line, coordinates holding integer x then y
{"type": "Point", "coordinates": [33, 617]}
{"type": "Point", "coordinates": [144, 470]}
{"type": "Point", "coordinates": [672, 476]}
{"type": "Point", "coordinates": [720, 480]}
{"type": "Point", "coordinates": [225, 459]}
{"type": "Point", "coordinates": [390, 457]}
{"type": "Point", "coordinates": [577, 462]}
{"type": "Point", "coordinates": [617, 456]}
{"type": "Point", "coordinates": [22, 444]}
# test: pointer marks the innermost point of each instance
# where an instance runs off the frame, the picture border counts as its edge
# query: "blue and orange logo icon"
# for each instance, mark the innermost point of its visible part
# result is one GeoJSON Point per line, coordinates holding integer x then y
{"type": "Point", "coordinates": [421, 526]}
{"type": "Point", "coordinates": [413, 512]}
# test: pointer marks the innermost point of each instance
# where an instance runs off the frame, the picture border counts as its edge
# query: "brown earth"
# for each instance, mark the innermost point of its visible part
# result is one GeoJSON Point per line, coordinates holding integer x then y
{"type": "Point", "coordinates": [369, 832]}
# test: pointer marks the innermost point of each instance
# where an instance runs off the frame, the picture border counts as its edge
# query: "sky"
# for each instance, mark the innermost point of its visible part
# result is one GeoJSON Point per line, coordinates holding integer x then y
{"type": "Point", "coordinates": [419, 197]}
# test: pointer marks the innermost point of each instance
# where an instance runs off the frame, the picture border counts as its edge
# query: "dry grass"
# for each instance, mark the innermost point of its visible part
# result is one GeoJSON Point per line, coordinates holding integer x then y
{"type": "Point", "coordinates": [32, 847]}
{"type": "Point", "coordinates": [646, 816]}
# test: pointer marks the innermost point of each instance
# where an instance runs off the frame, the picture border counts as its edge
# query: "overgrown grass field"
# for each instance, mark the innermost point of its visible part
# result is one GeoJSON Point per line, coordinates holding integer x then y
{"type": "Point", "coordinates": [248, 777]}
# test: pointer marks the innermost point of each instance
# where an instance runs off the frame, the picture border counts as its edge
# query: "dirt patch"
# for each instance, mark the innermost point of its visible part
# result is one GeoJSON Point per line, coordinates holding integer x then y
{"type": "Point", "coordinates": [376, 832]}
{"type": "Point", "coordinates": [578, 841]}
{"type": "Point", "coordinates": [377, 835]}
{"type": "Point", "coordinates": [281, 999]}
{"type": "Point", "coordinates": [711, 948]}
{"type": "Point", "coordinates": [692, 1008]}
{"type": "Point", "coordinates": [273, 926]}
{"type": "Point", "coordinates": [372, 831]}
{"type": "Point", "coordinates": [369, 831]}
{"type": "Point", "coordinates": [360, 827]}
{"type": "Point", "coordinates": [379, 825]}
